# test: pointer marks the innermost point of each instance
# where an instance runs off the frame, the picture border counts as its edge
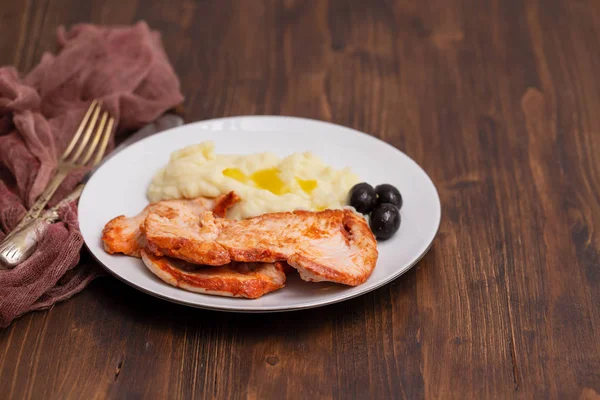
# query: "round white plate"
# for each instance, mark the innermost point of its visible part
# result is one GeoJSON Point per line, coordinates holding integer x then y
{"type": "Point", "coordinates": [119, 187]}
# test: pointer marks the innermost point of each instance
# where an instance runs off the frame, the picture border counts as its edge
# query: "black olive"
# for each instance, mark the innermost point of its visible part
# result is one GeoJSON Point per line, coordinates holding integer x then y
{"type": "Point", "coordinates": [362, 197]}
{"type": "Point", "coordinates": [387, 193]}
{"type": "Point", "coordinates": [385, 221]}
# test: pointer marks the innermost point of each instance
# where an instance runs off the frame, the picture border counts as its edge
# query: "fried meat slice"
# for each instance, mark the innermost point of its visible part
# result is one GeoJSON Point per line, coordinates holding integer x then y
{"type": "Point", "coordinates": [250, 280]}
{"type": "Point", "coordinates": [123, 235]}
{"type": "Point", "coordinates": [330, 245]}
{"type": "Point", "coordinates": [184, 234]}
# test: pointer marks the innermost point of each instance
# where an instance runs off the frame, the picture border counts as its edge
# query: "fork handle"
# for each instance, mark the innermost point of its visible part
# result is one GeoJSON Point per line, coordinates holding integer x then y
{"type": "Point", "coordinates": [41, 202]}
{"type": "Point", "coordinates": [22, 243]}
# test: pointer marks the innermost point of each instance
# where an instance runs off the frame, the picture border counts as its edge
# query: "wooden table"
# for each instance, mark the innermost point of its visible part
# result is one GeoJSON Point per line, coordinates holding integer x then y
{"type": "Point", "coordinates": [499, 101]}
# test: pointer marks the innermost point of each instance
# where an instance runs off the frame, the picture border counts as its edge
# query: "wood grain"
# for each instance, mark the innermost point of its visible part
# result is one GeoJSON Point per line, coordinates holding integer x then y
{"type": "Point", "coordinates": [497, 100]}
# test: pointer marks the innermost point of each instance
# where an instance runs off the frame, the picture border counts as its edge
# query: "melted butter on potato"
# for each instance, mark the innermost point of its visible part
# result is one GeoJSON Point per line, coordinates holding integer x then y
{"type": "Point", "coordinates": [264, 182]}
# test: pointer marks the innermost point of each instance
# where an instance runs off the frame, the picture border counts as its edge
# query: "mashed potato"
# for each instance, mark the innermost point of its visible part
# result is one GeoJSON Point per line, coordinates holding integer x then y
{"type": "Point", "coordinates": [264, 182]}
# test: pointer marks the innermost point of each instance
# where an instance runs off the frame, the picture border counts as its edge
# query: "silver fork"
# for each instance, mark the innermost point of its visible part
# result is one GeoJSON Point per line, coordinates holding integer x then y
{"type": "Point", "coordinates": [78, 154]}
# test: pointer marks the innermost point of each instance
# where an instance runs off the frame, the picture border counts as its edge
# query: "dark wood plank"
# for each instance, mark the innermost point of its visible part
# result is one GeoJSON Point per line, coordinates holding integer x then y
{"type": "Point", "coordinates": [21, 24]}
{"type": "Point", "coordinates": [555, 326]}
{"type": "Point", "coordinates": [495, 99]}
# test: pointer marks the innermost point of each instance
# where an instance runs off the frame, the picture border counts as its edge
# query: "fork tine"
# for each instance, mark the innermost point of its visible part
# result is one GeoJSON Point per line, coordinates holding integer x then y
{"type": "Point", "coordinates": [97, 135]}
{"type": "Point", "coordinates": [79, 130]}
{"type": "Point", "coordinates": [104, 143]}
{"type": "Point", "coordinates": [87, 134]}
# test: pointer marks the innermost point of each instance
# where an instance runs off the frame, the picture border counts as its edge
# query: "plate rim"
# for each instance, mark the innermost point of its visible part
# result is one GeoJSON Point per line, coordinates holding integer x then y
{"type": "Point", "coordinates": [277, 309]}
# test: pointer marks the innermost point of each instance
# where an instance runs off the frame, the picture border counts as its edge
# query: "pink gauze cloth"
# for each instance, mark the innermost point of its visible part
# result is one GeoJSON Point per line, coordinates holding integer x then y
{"type": "Point", "coordinates": [128, 70]}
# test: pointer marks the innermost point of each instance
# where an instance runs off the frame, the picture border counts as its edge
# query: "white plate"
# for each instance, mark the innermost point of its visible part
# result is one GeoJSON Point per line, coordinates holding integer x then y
{"type": "Point", "coordinates": [119, 187]}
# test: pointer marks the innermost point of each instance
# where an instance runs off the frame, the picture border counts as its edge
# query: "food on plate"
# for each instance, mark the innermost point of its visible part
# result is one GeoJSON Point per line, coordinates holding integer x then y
{"type": "Point", "coordinates": [282, 214]}
{"type": "Point", "coordinates": [385, 221]}
{"type": "Point", "coordinates": [387, 193]}
{"type": "Point", "coordinates": [122, 234]}
{"type": "Point", "coordinates": [331, 245]}
{"type": "Point", "coordinates": [264, 182]}
{"type": "Point", "coordinates": [362, 197]}
{"type": "Point", "coordinates": [250, 280]}
{"type": "Point", "coordinates": [185, 234]}
{"type": "Point", "coordinates": [381, 204]}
